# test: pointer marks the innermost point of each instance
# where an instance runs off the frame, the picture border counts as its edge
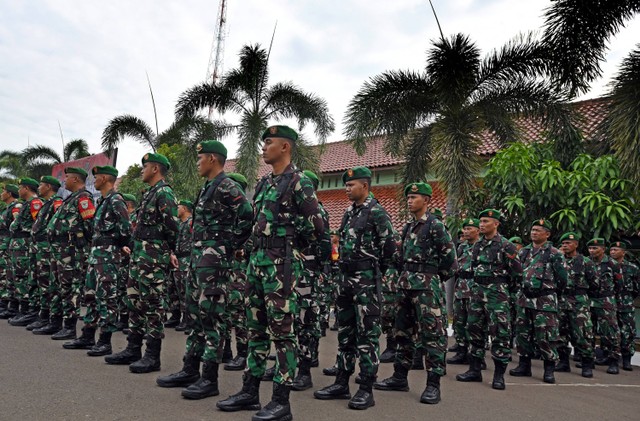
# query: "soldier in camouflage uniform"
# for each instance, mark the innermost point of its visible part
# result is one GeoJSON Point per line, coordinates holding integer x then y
{"type": "Point", "coordinates": [603, 302]}
{"type": "Point", "coordinates": [70, 231]}
{"type": "Point", "coordinates": [629, 291]}
{"type": "Point", "coordinates": [152, 252]}
{"type": "Point", "coordinates": [513, 293]}
{"type": "Point", "coordinates": [574, 307]}
{"type": "Point", "coordinates": [367, 246]}
{"type": "Point", "coordinates": [387, 314]}
{"type": "Point", "coordinates": [496, 268]}
{"type": "Point", "coordinates": [41, 253]}
{"type": "Point", "coordinates": [123, 268]}
{"type": "Point", "coordinates": [9, 303]}
{"type": "Point", "coordinates": [179, 277]}
{"type": "Point", "coordinates": [221, 224]}
{"type": "Point", "coordinates": [544, 279]}
{"type": "Point", "coordinates": [19, 248]}
{"type": "Point", "coordinates": [426, 254]}
{"type": "Point", "coordinates": [287, 219]}
{"type": "Point", "coordinates": [111, 232]}
{"type": "Point", "coordinates": [462, 290]}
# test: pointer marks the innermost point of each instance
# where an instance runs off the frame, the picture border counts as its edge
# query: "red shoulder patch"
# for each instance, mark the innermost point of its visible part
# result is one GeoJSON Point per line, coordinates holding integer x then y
{"type": "Point", "coordinates": [16, 210]}
{"type": "Point", "coordinates": [36, 205]}
{"type": "Point", "coordinates": [86, 208]}
{"type": "Point", "coordinates": [56, 204]}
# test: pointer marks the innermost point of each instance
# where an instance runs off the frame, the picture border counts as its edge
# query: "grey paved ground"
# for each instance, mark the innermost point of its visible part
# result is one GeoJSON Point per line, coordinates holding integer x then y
{"type": "Point", "coordinates": [41, 381]}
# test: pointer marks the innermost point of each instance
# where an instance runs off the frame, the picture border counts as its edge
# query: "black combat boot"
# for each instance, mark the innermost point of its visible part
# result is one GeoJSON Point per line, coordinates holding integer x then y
{"type": "Point", "coordinates": [397, 382]}
{"type": "Point", "coordinates": [240, 361]}
{"type": "Point", "coordinates": [431, 394]}
{"type": "Point", "coordinates": [189, 374]}
{"type": "Point", "coordinates": [205, 386]}
{"type": "Point", "coordinates": [338, 390]}
{"type": "Point", "coordinates": [613, 366]}
{"type": "Point", "coordinates": [278, 409]}
{"type": "Point", "coordinates": [333, 370]}
{"type": "Point", "coordinates": [123, 322]}
{"type": "Point", "coordinates": [68, 330]}
{"type": "Point", "coordinates": [549, 368]}
{"type": "Point", "coordinates": [150, 361]}
{"type": "Point", "coordinates": [303, 380]}
{"type": "Point", "coordinates": [183, 323]}
{"type": "Point", "coordinates": [626, 362]}
{"type": "Point", "coordinates": [418, 360]}
{"type": "Point", "coordinates": [602, 357]}
{"type": "Point", "coordinates": [22, 310]}
{"type": "Point", "coordinates": [54, 325]}
{"type": "Point", "coordinates": [523, 369]}
{"type": "Point", "coordinates": [174, 320]}
{"type": "Point", "coordinates": [130, 354]}
{"type": "Point", "coordinates": [389, 354]}
{"type": "Point", "coordinates": [25, 315]}
{"type": "Point", "coordinates": [587, 367]}
{"type": "Point", "coordinates": [103, 347]}
{"type": "Point", "coordinates": [498, 375]}
{"type": "Point", "coordinates": [42, 321]}
{"type": "Point", "coordinates": [227, 353]}
{"type": "Point", "coordinates": [10, 311]}
{"type": "Point", "coordinates": [268, 374]}
{"type": "Point", "coordinates": [363, 398]}
{"type": "Point", "coordinates": [474, 374]}
{"type": "Point", "coordinates": [563, 365]}
{"type": "Point", "coordinates": [454, 348]}
{"type": "Point", "coordinates": [461, 356]}
{"type": "Point", "coordinates": [247, 399]}
{"type": "Point", "coordinates": [86, 341]}
{"type": "Point", "coordinates": [3, 306]}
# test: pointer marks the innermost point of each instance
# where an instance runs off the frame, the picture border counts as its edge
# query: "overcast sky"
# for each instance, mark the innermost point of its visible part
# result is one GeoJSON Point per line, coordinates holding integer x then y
{"type": "Point", "coordinates": [83, 62]}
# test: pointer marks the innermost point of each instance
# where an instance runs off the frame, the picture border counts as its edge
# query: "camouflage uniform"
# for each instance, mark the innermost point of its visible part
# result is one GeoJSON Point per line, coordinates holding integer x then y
{"type": "Point", "coordinates": [462, 294]}
{"type": "Point", "coordinates": [287, 218]}
{"type": "Point", "coordinates": [388, 304]}
{"type": "Point", "coordinates": [7, 292]}
{"type": "Point", "coordinates": [604, 305]}
{"type": "Point", "coordinates": [544, 278]}
{"type": "Point", "coordinates": [177, 291]}
{"type": "Point", "coordinates": [630, 289]}
{"type": "Point", "coordinates": [236, 307]}
{"type": "Point", "coordinates": [123, 280]}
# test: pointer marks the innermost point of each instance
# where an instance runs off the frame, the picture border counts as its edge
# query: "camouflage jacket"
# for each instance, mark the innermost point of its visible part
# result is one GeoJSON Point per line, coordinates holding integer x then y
{"type": "Point", "coordinates": [40, 242]}
{"type": "Point", "coordinates": [157, 218]}
{"type": "Point", "coordinates": [6, 218]}
{"type": "Point", "coordinates": [630, 288]}
{"type": "Point", "coordinates": [580, 280]}
{"type": "Point", "coordinates": [426, 252]}
{"type": "Point", "coordinates": [285, 206]}
{"type": "Point", "coordinates": [221, 222]}
{"type": "Point", "coordinates": [366, 233]}
{"type": "Point", "coordinates": [72, 223]}
{"type": "Point", "coordinates": [544, 277]}
{"type": "Point", "coordinates": [495, 262]}
{"type": "Point", "coordinates": [318, 254]}
{"type": "Point", "coordinates": [185, 238]}
{"type": "Point", "coordinates": [111, 227]}
{"type": "Point", "coordinates": [608, 284]}
{"type": "Point", "coordinates": [464, 271]}
{"type": "Point", "coordinates": [23, 222]}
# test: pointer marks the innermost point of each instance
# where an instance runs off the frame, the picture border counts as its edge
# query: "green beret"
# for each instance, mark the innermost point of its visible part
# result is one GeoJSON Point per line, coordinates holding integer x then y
{"type": "Point", "coordinates": [619, 244]}
{"type": "Point", "coordinates": [516, 240]}
{"type": "Point", "coordinates": [157, 158]}
{"type": "Point", "coordinates": [490, 213]}
{"type": "Point", "coordinates": [107, 169]}
{"type": "Point", "coordinates": [418, 188]}
{"type": "Point", "coordinates": [544, 223]}
{"type": "Point", "coordinates": [356, 173]}
{"type": "Point", "coordinates": [471, 222]}
{"type": "Point", "coordinates": [569, 236]}
{"type": "Point", "coordinates": [333, 232]}
{"type": "Point", "coordinates": [11, 188]}
{"type": "Point", "coordinates": [51, 180]}
{"type": "Point", "coordinates": [129, 198]}
{"type": "Point", "coordinates": [30, 182]}
{"type": "Point", "coordinates": [75, 170]}
{"type": "Point", "coordinates": [211, 146]}
{"type": "Point", "coordinates": [437, 212]}
{"type": "Point", "coordinates": [240, 179]}
{"type": "Point", "coordinates": [597, 242]}
{"type": "Point", "coordinates": [280, 131]}
{"type": "Point", "coordinates": [186, 203]}
{"type": "Point", "coordinates": [313, 177]}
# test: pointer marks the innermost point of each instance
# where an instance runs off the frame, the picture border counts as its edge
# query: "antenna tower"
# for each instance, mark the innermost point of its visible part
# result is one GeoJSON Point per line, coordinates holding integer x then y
{"type": "Point", "coordinates": [214, 69]}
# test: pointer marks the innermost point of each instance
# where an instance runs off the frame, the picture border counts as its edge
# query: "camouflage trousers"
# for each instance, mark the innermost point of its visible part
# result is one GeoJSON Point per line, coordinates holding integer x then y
{"type": "Point", "coordinates": [177, 287]}
{"type": "Point", "coordinates": [419, 322]}
{"type": "Point", "coordinates": [19, 284]}
{"type": "Point", "coordinates": [146, 289]}
{"type": "Point", "coordinates": [627, 325]}
{"type": "Point", "coordinates": [100, 296]}
{"type": "Point", "coordinates": [41, 275]}
{"type": "Point", "coordinates": [121, 286]}
{"type": "Point", "coordinates": [605, 324]}
{"type": "Point", "coordinates": [388, 312]}
{"type": "Point", "coordinates": [490, 314]}
{"type": "Point", "coordinates": [272, 308]}
{"type": "Point", "coordinates": [358, 305]}
{"type": "Point", "coordinates": [4, 274]}
{"type": "Point", "coordinates": [460, 317]}
{"type": "Point", "coordinates": [307, 320]}
{"type": "Point", "coordinates": [575, 326]}
{"type": "Point", "coordinates": [207, 309]}
{"type": "Point", "coordinates": [69, 275]}
{"type": "Point", "coordinates": [536, 330]}
{"type": "Point", "coordinates": [237, 314]}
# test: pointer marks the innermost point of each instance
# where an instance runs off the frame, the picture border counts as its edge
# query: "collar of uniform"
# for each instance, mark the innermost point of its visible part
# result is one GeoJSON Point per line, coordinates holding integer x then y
{"type": "Point", "coordinates": [366, 202]}
{"type": "Point", "coordinates": [288, 169]}
{"type": "Point", "coordinates": [485, 240]}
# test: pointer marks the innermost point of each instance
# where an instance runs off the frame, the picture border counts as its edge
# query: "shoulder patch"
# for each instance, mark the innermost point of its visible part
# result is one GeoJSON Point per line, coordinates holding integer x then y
{"type": "Point", "coordinates": [86, 208]}
{"type": "Point", "coordinates": [36, 205]}
{"type": "Point", "coordinates": [56, 204]}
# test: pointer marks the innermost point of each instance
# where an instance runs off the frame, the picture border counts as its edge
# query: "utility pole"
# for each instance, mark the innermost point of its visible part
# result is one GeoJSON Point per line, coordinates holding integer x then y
{"type": "Point", "coordinates": [214, 69]}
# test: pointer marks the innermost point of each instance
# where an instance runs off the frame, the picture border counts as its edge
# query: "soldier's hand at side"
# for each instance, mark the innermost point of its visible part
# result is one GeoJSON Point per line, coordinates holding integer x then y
{"type": "Point", "coordinates": [239, 254]}
{"type": "Point", "coordinates": [174, 260]}
{"type": "Point", "coordinates": [126, 249]}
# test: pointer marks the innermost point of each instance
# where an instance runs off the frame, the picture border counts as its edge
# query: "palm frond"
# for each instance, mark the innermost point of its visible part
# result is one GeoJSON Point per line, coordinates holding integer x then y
{"type": "Point", "coordinates": [305, 156]}
{"type": "Point", "coordinates": [252, 77]}
{"type": "Point", "coordinates": [127, 125]}
{"type": "Point", "coordinates": [75, 149]}
{"type": "Point", "coordinates": [419, 153]}
{"type": "Point", "coordinates": [219, 97]}
{"type": "Point", "coordinates": [249, 136]}
{"type": "Point", "coordinates": [38, 153]}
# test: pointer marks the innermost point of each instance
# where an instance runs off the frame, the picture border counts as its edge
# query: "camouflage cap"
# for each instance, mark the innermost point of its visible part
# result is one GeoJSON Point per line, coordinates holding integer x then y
{"type": "Point", "coordinates": [30, 182]}
{"type": "Point", "coordinates": [106, 169]}
{"type": "Point", "coordinates": [54, 182]}
{"type": "Point", "coordinates": [313, 177]}
{"type": "Point", "coordinates": [471, 222]}
{"type": "Point", "coordinates": [11, 188]}
{"type": "Point", "coordinates": [211, 146]}
{"type": "Point", "coordinates": [418, 188]}
{"type": "Point", "coordinates": [516, 240]}
{"type": "Point", "coordinates": [619, 244]}
{"type": "Point", "coordinates": [544, 223]}
{"type": "Point", "coordinates": [356, 173]}
{"type": "Point", "coordinates": [569, 236]}
{"type": "Point", "coordinates": [597, 242]}
{"type": "Point", "coordinates": [129, 198]}
{"type": "Point", "coordinates": [186, 203]}
{"type": "Point", "coordinates": [240, 179]}
{"type": "Point", "coordinates": [76, 170]}
{"type": "Point", "coordinates": [490, 213]}
{"type": "Point", "coordinates": [157, 158]}
{"type": "Point", "coordinates": [285, 132]}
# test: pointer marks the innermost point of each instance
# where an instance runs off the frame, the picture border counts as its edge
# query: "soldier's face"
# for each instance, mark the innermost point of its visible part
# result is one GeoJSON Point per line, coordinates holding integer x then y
{"type": "Point", "coordinates": [417, 202]}
{"type": "Point", "coordinates": [43, 189]}
{"type": "Point", "coordinates": [596, 252]}
{"type": "Point", "coordinates": [180, 211]}
{"type": "Point", "coordinates": [355, 190]}
{"type": "Point", "coordinates": [205, 164]}
{"type": "Point", "coordinates": [616, 253]}
{"type": "Point", "coordinates": [69, 181]}
{"type": "Point", "coordinates": [99, 181]}
{"type": "Point", "coordinates": [23, 192]}
{"type": "Point", "coordinates": [335, 239]}
{"type": "Point", "coordinates": [539, 234]}
{"type": "Point", "coordinates": [148, 171]}
{"type": "Point", "coordinates": [488, 225]}
{"type": "Point", "coordinates": [131, 207]}
{"type": "Point", "coordinates": [470, 233]}
{"type": "Point", "coordinates": [273, 148]}
{"type": "Point", "coordinates": [569, 246]}
{"type": "Point", "coordinates": [5, 196]}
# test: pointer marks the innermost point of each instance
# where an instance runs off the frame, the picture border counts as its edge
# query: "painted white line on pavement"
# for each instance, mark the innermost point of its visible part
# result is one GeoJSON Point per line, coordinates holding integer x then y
{"type": "Point", "coordinates": [575, 385]}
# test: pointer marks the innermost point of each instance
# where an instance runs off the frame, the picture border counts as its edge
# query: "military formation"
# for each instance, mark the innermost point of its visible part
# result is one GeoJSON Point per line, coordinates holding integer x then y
{"type": "Point", "coordinates": [267, 273]}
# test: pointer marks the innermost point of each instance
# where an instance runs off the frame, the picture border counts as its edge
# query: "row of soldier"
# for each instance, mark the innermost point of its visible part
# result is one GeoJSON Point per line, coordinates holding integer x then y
{"type": "Point", "coordinates": [267, 270]}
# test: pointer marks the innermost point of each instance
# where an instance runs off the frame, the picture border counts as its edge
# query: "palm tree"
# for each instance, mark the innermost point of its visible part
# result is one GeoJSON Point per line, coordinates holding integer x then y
{"type": "Point", "coordinates": [245, 92]}
{"type": "Point", "coordinates": [38, 160]}
{"type": "Point", "coordinates": [435, 117]}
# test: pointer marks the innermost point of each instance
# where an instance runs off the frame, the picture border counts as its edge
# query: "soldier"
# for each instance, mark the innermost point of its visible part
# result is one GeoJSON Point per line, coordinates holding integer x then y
{"type": "Point", "coordinates": [154, 244]}
{"type": "Point", "coordinates": [544, 279]}
{"type": "Point", "coordinates": [41, 253]}
{"type": "Point", "coordinates": [123, 268]}
{"type": "Point", "coordinates": [603, 302]}
{"type": "Point", "coordinates": [177, 292]}
{"type": "Point", "coordinates": [367, 246]}
{"type": "Point", "coordinates": [513, 293]}
{"type": "Point", "coordinates": [19, 248]}
{"type": "Point", "coordinates": [287, 219]}
{"type": "Point", "coordinates": [574, 307]}
{"type": "Point", "coordinates": [111, 232]}
{"type": "Point", "coordinates": [462, 291]}
{"type": "Point", "coordinates": [221, 225]}
{"type": "Point", "coordinates": [426, 253]}
{"type": "Point", "coordinates": [70, 231]}
{"type": "Point", "coordinates": [9, 303]}
{"type": "Point", "coordinates": [628, 292]}
{"type": "Point", "coordinates": [495, 269]}
{"type": "Point", "coordinates": [332, 289]}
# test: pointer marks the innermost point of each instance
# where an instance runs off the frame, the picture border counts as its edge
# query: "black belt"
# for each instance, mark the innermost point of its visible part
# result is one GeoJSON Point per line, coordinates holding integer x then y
{"type": "Point", "coordinates": [353, 266]}
{"type": "Point", "coordinates": [60, 238]}
{"type": "Point", "coordinates": [488, 280]}
{"type": "Point", "coordinates": [40, 237]}
{"type": "Point", "coordinates": [420, 267]}
{"type": "Point", "coordinates": [104, 242]}
{"type": "Point", "coordinates": [465, 275]}
{"type": "Point", "coordinates": [602, 295]}
{"type": "Point", "coordinates": [312, 265]}
{"type": "Point", "coordinates": [187, 254]}
{"type": "Point", "coordinates": [576, 291]}
{"type": "Point", "coordinates": [270, 242]}
{"type": "Point", "coordinates": [143, 232]}
{"type": "Point", "coordinates": [21, 234]}
{"type": "Point", "coordinates": [538, 292]}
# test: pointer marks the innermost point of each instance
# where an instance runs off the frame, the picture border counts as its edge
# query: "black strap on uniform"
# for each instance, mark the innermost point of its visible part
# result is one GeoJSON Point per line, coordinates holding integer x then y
{"type": "Point", "coordinates": [210, 190]}
{"type": "Point", "coordinates": [361, 223]}
{"type": "Point", "coordinates": [424, 239]}
{"type": "Point", "coordinates": [102, 202]}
